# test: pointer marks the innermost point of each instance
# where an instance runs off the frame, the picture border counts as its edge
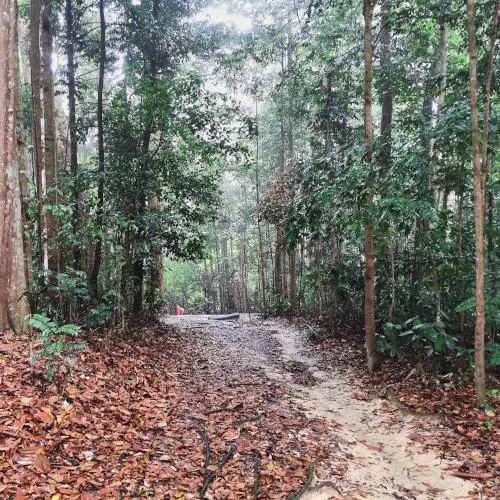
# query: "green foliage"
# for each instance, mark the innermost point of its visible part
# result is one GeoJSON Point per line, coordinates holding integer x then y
{"type": "Point", "coordinates": [102, 314]}
{"type": "Point", "coordinates": [492, 310]}
{"type": "Point", "coordinates": [428, 338]}
{"type": "Point", "coordinates": [492, 354]}
{"type": "Point", "coordinates": [53, 340]}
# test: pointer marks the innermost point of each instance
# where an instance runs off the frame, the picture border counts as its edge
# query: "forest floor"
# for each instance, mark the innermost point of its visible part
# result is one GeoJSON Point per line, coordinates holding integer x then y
{"type": "Point", "coordinates": [198, 408]}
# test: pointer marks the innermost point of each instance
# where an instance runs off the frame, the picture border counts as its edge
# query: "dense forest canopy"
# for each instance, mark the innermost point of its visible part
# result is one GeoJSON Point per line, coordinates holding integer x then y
{"type": "Point", "coordinates": [325, 157]}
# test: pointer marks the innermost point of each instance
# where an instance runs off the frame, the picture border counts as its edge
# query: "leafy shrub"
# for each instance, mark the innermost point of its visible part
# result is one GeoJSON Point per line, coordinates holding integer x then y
{"type": "Point", "coordinates": [103, 313]}
{"type": "Point", "coordinates": [492, 354]}
{"type": "Point", "coordinates": [54, 340]}
{"type": "Point", "coordinates": [430, 338]}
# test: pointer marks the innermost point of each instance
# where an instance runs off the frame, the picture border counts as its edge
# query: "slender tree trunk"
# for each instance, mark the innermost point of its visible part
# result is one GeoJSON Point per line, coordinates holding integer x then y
{"type": "Point", "coordinates": [317, 263]}
{"type": "Point", "coordinates": [284, 273]}
{"type": "Point", "coordinates": [242, 263]}
{"type": "Point", "coordinates": [443, 67]}
{"type": "Point", "coordinates": [301, 274]}
{"type": "Point", "coordinates": [386, 255]}
{"type": "Point", "coordinates": [14, 308]}
{"type": "Point", "coordinates": [479, 161]}
{"type": "Point", "coordinates": [369, 230]}
{"type": "Point", "coordinates": [23, 171]}
{"type": "Point", "coordinates": [387, 98]}
{"type": "Point", "coordinates": [73, 140]}
{"type": "Point", "coordinates": [37, 132]}
{"type": "Point", "coordinates": [259, 227]}
{"type": "Point", "coordinates": [393, 279]}
{"type": "Point", "coordinates": [157, 279]}
{"type": "Point", "coordinates": [100, 146]}
{"type": "Point", "coordinates": [459, 251]}
{"type": "Point", "coordinates": [138, 280]}
{"type": "Point", "coordinates": [289, 66]}
{"type": "Point", "coordinates": [49, 136]}
{"type": "Point", "coordinates": [225, 270]}
{"type": "Point", "coordinates": [278, 280]}
{"type": "Point", "coordinates": [220, 272]}
{"type": "Point", "coordinates": [293, 281]}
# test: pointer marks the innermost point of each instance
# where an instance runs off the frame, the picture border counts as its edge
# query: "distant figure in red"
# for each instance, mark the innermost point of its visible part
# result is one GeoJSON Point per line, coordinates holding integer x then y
{"type": "Point", "coordinates": [180, 310]}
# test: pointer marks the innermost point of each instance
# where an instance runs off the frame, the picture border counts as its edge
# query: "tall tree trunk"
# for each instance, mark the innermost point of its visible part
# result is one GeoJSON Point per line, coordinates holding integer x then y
{"type": "Point", "coordinates": [138, 281]}
{"type": "Point", "coordinates": [37, 132]}
{"type": "Point", "coordinates": [225, 270]}
{"type": "Point", "coordinates": [284, 274]}
{"type": "Point", "coordinates": [386, 253]}
{"type": "Point", "coordinates": [100, 146]}
{"type": "Point", "coordinates": [301, 275]}
{"type": "Point", "coordinates": [14, 307]}
{"type": "Point", "coordinates": [278, 268]}
{"type": "Point", "coordinates": [49, 135]}
{"type": "Point", "coordinates": [369, 236]}
{"type": "Point", "coordinates": [293, 281]}
{"type": "Point", "coordinates": [443, 66]}
{"type": "Point", "coordinates": [289, 88]}
{"type": "Point", "coordinates": [479, 161]}
{"type": "Point", "coordinates": [73, 140]}
{"type": "Point", "coordinates": [259, 227]}
{"type": "Point", "coordinates": [23, 167]}
{"type": "Point", "coordinates": [386, 98]}
{"type": "Point", "coordinates": [220, 273]}
{"type": "Point", "coordinates": [157, 279]}
{"type": "Point", "coordinates": [459, 251]}
{"type": "Point", "coordinates": [442, 73]}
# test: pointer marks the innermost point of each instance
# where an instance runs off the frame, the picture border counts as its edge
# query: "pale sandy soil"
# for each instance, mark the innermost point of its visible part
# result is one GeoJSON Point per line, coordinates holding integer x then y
{"type": "Point", "coordinates": [382, 461]}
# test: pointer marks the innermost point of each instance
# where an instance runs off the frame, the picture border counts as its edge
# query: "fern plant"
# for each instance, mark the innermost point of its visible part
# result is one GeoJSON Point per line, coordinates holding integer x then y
{"type": "Point", "coordinates": [54, 339]}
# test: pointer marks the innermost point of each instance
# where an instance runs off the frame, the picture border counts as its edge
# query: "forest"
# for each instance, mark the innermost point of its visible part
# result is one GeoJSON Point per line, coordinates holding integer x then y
{"type": "Point", "coordinates": [329, 167]}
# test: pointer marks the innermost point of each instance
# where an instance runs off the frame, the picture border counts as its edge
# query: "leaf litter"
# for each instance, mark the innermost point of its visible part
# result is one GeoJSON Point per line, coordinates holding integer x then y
{"type": "Point", "coordinates": [156, 415]}
{"type": "Point", "coordinates": [233, 410]}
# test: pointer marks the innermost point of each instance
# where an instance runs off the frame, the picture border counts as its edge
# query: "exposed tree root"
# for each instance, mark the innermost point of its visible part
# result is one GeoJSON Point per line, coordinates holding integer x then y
{"type": "Point", "coordinates": [256, 476]}
{"type": "Point", "coordinates": [209, 478]}
{"type": "Point", "coordinates": [306, 485]}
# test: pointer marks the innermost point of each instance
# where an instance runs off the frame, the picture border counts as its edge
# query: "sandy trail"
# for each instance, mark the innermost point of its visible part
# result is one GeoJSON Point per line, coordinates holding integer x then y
{"type": "Point", "coordinates": [382, 461]}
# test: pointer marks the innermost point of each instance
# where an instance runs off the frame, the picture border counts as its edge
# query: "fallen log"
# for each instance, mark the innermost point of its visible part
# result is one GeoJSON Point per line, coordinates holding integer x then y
{"type": "Point", "coordinates": [226, 316]}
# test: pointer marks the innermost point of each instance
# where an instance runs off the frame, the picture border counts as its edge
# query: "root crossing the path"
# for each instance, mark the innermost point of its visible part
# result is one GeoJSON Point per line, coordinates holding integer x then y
{"type": "Point", "coordinates": [373, 435]}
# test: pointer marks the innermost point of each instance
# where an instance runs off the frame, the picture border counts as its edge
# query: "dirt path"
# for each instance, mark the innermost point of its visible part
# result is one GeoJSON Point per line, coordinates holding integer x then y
{"type": "Point", "coordinates": [382, 461]}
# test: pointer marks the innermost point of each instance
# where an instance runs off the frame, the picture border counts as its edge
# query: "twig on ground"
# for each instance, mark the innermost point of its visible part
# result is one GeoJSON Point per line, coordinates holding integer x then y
{"type": "Point", "coordinates": [306, 485]}
{"type": "Point", "coordinates": [256, 483]}
{"type": "Point", "coordinates": [224, 407]}
{"type": "Point", "coordinates": [474, 475]}
{"type": "Point", "coordinates": [210, 477]}
{"type": "Point", "coordinates": [239, 384]}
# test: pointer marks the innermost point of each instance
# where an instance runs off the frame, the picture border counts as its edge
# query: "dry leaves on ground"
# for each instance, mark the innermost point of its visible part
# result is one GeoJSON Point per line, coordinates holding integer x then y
{"type": "Point", "coordinates": [151, 415]}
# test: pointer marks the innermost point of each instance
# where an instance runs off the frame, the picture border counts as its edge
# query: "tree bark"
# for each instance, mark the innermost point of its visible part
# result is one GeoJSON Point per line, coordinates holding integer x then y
{"type": "Point", "coordinates": [14, 308]}
{"type": "Point", "coordinates": [386, 251]}
{"type": "Point", "coordinates": [479, 162]}
{"type": "Point", "coordinates": [73, 140]}
{"type": "Point", "coordinates": [284, 273]}
{"type": "Point", "coordinates": [259, 227]}
{"type": "Point", "coordinates": [100, 146]}
{"type": "Point", "coordinates": [443, 66]}
{"type": "Point", "coordinates": [23, 166]}
{"type": "Point", "coordinates": [49, 132]}
{"type": "Point", "coordinates": [37, 133]}
{"type": "Point", "coordinates": [278, 280]}
{"type": "Point", "coordinates": [369, 231]}
{"type": "Point", "coordinates": [293, 281]}
{"type": "Point", "coordinates": [387, 98]}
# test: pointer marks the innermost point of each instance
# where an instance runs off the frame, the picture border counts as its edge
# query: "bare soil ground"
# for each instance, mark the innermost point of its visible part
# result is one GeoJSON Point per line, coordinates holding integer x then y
{"type": "Point", "coordinates": [371, 434]}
